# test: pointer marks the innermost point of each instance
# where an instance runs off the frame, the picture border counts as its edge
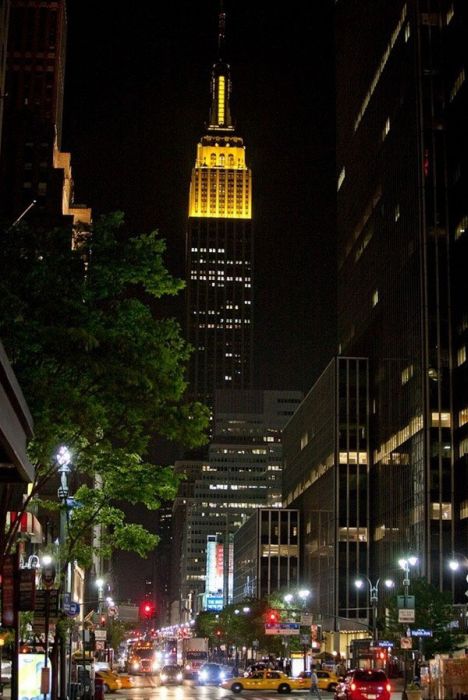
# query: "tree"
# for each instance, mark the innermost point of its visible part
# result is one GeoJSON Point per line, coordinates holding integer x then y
{"type": "Point", "coordinates": [433, 611]}
{"type": "Point", "coordinates": [101, 374]}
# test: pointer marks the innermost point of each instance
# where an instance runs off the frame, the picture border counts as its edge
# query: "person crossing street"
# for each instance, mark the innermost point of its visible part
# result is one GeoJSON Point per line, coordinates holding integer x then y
{"type": "Point", "coordinates": [314, 689]}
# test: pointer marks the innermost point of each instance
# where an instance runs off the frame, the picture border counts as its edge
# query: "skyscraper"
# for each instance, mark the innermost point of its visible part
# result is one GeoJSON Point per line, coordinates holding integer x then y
{"type": "Point", "coordinates": [35, 175]}
{"type": "Point", "coordinates": [219, 250]}
{"type": "Point", "coordinates": [402, 186]}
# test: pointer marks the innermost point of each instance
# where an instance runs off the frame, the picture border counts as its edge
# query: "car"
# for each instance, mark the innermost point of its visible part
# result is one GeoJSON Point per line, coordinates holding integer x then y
{"type": "Point", "coordinates": [171, 673]}
{"type": "Point", "coordinates": [111, 681]}
{"type": "Point", "coordinates": [364, 684]}
{"type": "Point", "coordinates": [266, 680]}
{"type": "Point", "coordinates": [213, 674]}
{"type": "Point", "coordinates": [327, 680]}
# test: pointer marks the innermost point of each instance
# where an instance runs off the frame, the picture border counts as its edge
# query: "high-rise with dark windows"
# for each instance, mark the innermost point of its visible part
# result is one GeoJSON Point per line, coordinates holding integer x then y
{"type": "Point", "coordinates": [219, 251]}
{"type": "Point", "coordinates": [402, 182]}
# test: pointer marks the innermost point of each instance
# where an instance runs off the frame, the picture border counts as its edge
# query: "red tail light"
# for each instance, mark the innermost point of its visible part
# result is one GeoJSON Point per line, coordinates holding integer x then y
{"type": "Point", "coordinates": [388, 687]}
{"type": "Point", "coordinates": [353, 686]}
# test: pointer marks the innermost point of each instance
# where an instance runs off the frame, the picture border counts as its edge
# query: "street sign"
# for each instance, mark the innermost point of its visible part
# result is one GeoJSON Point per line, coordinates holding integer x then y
{"type": "Point", "coordinates": [287, 629]}
{"type": "Point", "coordinates": [421, 633]}
{"type": "Point", "coordinates": [27, 589]}
{"type": "Point", "coordinates": [73, 609]}
{"type": "Point", "coordinates": [100, 635]}
{"type": "Point", "coordinates": [406, 615]}
{"type": "Point", "coordinates": [305, 638]}
{"type": "Point", "coordinates": [66, 600]}
{"type": "Point", "coordinates": [406, 643]}
{"type": "Point", "coordinates": [384, 644]}
{"type": "Point", "coordinates": [39, 612]}
{"type": "Point", "coordinates": [406, 601]}
{"type": "Point", "coordinates": [306, 619]}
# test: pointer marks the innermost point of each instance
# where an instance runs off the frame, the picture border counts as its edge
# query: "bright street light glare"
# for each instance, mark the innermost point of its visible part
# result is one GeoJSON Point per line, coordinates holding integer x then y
{"type": "Point", "coordinates": [359, 583]}
{"type": "Point", "coordinates": [413, 561]}
{"type": "Point", "coordinates": [389, 583]}
{"type": "Point", "coordinates": [63, 456]}
{"type": "Point", "coordinates": [288, 597]}
{"type": "Point", "coordinates": [304, 594]}
{"type": "Point", "coordinates": [47, 559]}
{"type": "Point", "coordinates": [454, 565]}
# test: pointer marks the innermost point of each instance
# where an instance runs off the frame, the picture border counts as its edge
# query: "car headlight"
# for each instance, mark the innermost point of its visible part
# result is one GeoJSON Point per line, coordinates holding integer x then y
{"type": "Point", "coordinates": [222, 675]}
{"type": "Point", "coordinates": [179, 676]}
{"type": "Point", "coordinates": [135, 665]}
{"type": "Point", "coordinates": [155, 665]}
{"type": "Point", "coordinates": [164, 676]}
{"type": "Point", "coordinates": [203, 675]}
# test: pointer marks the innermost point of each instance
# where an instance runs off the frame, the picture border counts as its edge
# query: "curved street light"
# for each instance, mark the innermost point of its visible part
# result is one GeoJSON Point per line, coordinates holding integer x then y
{"type": "Point", "coordinates": [373, 597]}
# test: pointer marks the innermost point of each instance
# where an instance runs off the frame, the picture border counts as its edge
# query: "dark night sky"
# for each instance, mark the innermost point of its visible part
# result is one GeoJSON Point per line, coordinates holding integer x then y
{"type": "Point", "coordinates": [136, 100]}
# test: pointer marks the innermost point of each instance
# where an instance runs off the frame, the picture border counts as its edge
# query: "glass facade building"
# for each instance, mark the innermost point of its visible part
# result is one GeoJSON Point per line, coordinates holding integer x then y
{"type": "Point", "coordinates": [266, 554]}
{"type": "Point", "coordinates": [326, 477]}
{"type": "Point", "coordinates": [401, 201]}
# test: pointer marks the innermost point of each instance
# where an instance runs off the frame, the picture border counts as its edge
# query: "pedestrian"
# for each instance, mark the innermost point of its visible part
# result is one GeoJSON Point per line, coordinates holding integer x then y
{"type": "Point", "coordinates": [314, 689]}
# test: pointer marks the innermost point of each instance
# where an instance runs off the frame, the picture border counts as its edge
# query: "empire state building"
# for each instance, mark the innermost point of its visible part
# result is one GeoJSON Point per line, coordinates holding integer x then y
{"type": "Point", "coordinates": [219, 251]}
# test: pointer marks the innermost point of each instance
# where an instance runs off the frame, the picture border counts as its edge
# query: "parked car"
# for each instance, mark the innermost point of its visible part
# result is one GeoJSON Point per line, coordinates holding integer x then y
{"type": "Point", "coordinates": [171, 673]}
{"type": "Point", "coordinates": [111, 681]}
{"type": "Point", "coordinates": [364, 684]}
{"type": "Point", "coordinates": [266, 680]}
{"type": "Point", "coordinates": [213, 674]}
{"type": "Point", "coordinates": [327, 680]}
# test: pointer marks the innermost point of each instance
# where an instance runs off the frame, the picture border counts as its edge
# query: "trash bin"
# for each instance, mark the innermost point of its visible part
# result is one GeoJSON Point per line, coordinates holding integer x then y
{"type": "Point", "coordinates": [98, 689]}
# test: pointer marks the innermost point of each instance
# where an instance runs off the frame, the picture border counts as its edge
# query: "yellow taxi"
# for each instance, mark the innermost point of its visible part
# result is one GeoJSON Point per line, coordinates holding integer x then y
{"type": "Point", "coordinates": [326, 680]}
{"type": "Point", "coordinates": [126, 681]}
{"type": "Point", "coordinates": [111, 681]}
{"type": "Point", "coordinates": [266, 680]}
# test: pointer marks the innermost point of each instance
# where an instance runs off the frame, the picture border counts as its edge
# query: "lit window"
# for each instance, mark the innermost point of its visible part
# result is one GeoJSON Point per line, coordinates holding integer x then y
{"type": "Point", "coordinates": [441, 420]}
{"type": "Point", "coordinates": [461, 356]}
{"type": "Point", "coordinates": [463, 447]}
{"type": "Point", "coordinates": [463, 510]}
{"type": "Point", "coordinates": [463, 417]}
{"type": "Point", "coordinates": [407, 374]}
{"type": "Point", "coordinates": [386, 129]}
{"type": "Point", "coordinates": [341, 178]}
{"type": "Point", "coordinates": [441, 511]}
{"type": "Point", "coordinates": [396, 215]}
{"type": "Point", "coordinates": [375, 297]}
{"type": "Point", "coordinates": [461, 227]}
{"type": "Point", "coordinates": [407, 32]}
{"type": "Point", "coordinates": [460, 79]}
{"type": "Point", "coordinates": [304, 440]}
{"type": "Point", "coordinates": [449, 15]}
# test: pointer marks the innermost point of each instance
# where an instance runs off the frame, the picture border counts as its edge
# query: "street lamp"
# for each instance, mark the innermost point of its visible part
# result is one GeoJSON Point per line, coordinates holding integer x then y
{"type": "Point", "coordinates": [374, 598]}
{"type": "Point", "coordinates": [457, 561]}
{"type": "Point", "coordinates": [405, 564]}
{"type": "Point", "coordinates": [100, 586]}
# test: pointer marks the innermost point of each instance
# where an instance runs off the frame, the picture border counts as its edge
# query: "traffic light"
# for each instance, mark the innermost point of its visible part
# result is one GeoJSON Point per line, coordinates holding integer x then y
{"type": "Point", "coordinates": [272, 617]}
{"type": "Point", "coordinates": [147, 610]}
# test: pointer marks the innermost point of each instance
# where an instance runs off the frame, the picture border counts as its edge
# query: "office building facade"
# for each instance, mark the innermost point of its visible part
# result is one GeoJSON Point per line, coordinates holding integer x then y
{"type": "Point", "coordinates": [401, 199]}
{"type": "Point", "coordinates": [241, 474]}
{"type": "Point", "coordinates": [266, 554]}
{"type": "Point", "coordinates": [326, 477]}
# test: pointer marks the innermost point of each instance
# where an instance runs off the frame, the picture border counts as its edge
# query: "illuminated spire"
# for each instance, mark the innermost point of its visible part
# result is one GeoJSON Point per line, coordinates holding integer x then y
{"type": "Point", "coordinates": [220, 112]}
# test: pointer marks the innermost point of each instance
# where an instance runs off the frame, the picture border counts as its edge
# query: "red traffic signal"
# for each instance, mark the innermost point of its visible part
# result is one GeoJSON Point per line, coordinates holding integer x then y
{"type": "Point", "coordinates": [272, 617]}
{"type": "Point", "coordinates": [147, 610]}
{"type": "Point", "coordinates": [218, 633]}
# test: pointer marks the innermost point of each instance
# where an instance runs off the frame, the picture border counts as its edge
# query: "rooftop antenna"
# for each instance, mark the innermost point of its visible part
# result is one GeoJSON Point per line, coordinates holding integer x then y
{"type": "Point", "coordinates": [221, 30]}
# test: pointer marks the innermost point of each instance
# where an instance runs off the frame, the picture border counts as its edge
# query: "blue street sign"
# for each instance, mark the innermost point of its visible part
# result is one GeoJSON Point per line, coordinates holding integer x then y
{"type": "Point", "coordinates": [421, 633]}
{"type": "Point", "coordinates": [73, 609]}
{"type": "Point", "coordinates": [384, 644]}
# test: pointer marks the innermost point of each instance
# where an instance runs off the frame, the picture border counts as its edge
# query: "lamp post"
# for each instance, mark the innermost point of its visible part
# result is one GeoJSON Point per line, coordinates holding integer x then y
{"type": "Point", "coordinates": [303, 594]}
{"type": "Point", "coordinates": [100, 587]}
{"type": "Point", "coordinates": [405, 563]}
{"type": "Point", "coordinates": [63, 459]}
{"type": "Point", "coordinates": [373, 598]}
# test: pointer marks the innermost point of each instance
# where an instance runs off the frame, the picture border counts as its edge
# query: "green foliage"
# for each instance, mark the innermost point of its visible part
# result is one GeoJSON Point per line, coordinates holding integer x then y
{"type": "Point", "coordinates": [433, 612]}
{"type": "Point", "coordinates": [101, 374]}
